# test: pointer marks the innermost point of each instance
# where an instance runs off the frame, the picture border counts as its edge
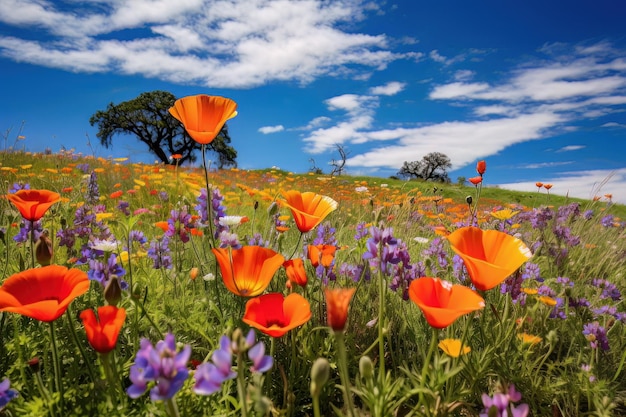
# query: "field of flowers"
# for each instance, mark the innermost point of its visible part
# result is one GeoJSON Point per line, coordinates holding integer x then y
{"type": "Point", "coordinates": [150, 290]}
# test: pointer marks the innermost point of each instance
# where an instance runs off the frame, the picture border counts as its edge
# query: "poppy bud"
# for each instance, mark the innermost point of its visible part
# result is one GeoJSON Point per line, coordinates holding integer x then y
{"type": "Point", "coordinates": [113, 291]}
{"type": "Point", "coordinates": [320, 372]}
{"type": "Point", "coordinates": [366, 367]}
{"type": "Point", "coordinates": [33, 364]}
{"type": "Point", "coordinates": [469, 199]}
{"type": "Point", "coordinates": [481, 167]}
{"type": "Point", "coordinates": [43, 249]}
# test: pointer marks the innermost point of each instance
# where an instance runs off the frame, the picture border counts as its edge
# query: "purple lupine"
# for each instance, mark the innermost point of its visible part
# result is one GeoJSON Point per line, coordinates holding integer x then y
{"type": "Point", "coordinates": [17, 186]}
{"type": "Point", "coordinates": [361, 231]}
{"type": "Point", "coordinates": [228, 239]}
{"type": "Point", "coordinates": [588, 214]}
{"type": "Point", "coordinates": [261, 362]}
{"type": "Point", "coordinates": [6, 393]}
{"type": "Point", "coordinates": [355, 272]}
{"type": "Point", "coordinates": [124, 207]}
{"type": "Point", "coordinates": [458, 269]}
{"type": "Point", "coordinates": [380, 238]}
{"type": "Point", "coordinates": [513, 286]}
{"type": "Point", "coordinates": [501, 404]}
{"type": "Point", "coordinates": [609, 290]}
{"type": "Point", "coordinates": [325, 235]}
{"type": "Point", "coordinates": [608, 221]}
{"type": "Point", "coordinates": [25, 231]}
{"type": "Point", "coordinates": [93, 191]}
{"type": "Point", "coordinates": [209, 376]}
{"type": "Point", "coordinates": [101, 272]}
{"type": "Point", "coordinates": [438, 251]}
{"type": "Point", "coordinates": [160, 364]}
{"type": "Point", "coordinates": [596, 335]}
{"type": "Point", "coordinates": [160, 253]}
{"type": "Point", "coordinates": [179, 223]}
{"type": "Point", "coordinates": [84, 168]}
{"type": "Point", "coordinates": [257, 240]}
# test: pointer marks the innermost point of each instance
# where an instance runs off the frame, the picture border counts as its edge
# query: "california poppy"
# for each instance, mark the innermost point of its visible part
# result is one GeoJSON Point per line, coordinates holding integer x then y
{"type": "Point", "coordinates": [295, 271]}
{"type": "Point", "coordinates": [547, 186]}
{"type": "Point", "coordinates": [42, 293]}
{"type": "Point", "coordinates": [476, 180]}
{"type": "Point", "coordinates": [275, 314]}
{"type": "Point", "coordinates": [33, 204]}
{"type": "Point", "coordinates": [102, 332]}
{"type": "Point", "coordinates": [308, 209]}
{"type": "Point", "coordinates": [490, 256]}
{"type": "Point", "coordinates": [203, 116]}
{"type": "Point", "coordinates": [337, 303]}
{"type": "Point", "coordinates": [481, 167]}
{"type": "Point", "coordinates": [539, 184]}
{"type": "Point", "coordinates": [321, 254]}
{"type": "Point", "coordinates": [247, 271]}
{"type": "Point", "coordinates": [442, 302]}
{"type": "Point", "coordinates": [453, 347]}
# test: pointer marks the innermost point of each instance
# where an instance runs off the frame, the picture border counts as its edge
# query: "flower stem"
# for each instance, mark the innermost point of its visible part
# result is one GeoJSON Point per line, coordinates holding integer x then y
{"type": "Point", "coordinates": [381, 326]}
{"type": "Point", "coordinates": [58, 382]}
{"type": "Point", "coordinates": [112, 383]}
{"type": "Point", "coordinates": [171, 408]}
{"type": "Point", "coordinates": [343, 372]}
{"type": "Point", "coordinates": [80, 346]}
{"type": "Point", "coordinates": [241, 385]}
{"type": "Point", "coordinates": [433, 344]}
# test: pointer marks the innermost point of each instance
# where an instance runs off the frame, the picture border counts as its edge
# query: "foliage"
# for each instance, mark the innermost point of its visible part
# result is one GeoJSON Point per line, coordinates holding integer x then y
{"type": "Point", "coordinates": [544, 336]}
{"type": "Point", "coordinates": [147, 117]}
{"type": "Point", "coordinates": [432, 167]}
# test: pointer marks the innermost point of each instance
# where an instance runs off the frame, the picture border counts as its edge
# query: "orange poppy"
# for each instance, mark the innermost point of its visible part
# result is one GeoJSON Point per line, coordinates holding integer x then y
{"type": "Point", "coordinates": [321, 254]}
{"type": "Point", "coordinates": [308, 209]}
{"type": "Point", "coordinates": [33, 204]}
{"type": "Point", "coordinates": [481, 167]}
{"type": "Point", "coordinates": [116, 194]}
{"type": "Point", "coordinates": [42, 293]}
{"type": "Point", "coordinates": [275, 314]}
{"type": "Point", "coordinates": [476, 180]}
{"type": "Point", "coordinates": [102, 332]}
{"type": "Point", "coordinates": [539, 184]}
{"type": "Point", "coordinates": [337, 303]}
{"type": "Point", "coordinates": [203, 116]}
{"type": "Point", "coordinates": [442, 302]}
{"type": "Point", "coordinates": [547, 186]}
{"type": "Point", "coordinates": [247, 271]}
{"type": "Point", "coordinates": [490, 256]}
{"type": "Point", "coordinates": [295, 271]}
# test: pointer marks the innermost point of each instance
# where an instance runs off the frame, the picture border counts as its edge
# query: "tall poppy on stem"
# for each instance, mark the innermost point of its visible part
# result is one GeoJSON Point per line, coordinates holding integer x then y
{"type": "Point", "coordinates": [247, 271]}
{"type": "Point", "coordinates": [490, 256]}
{"type": "Point", "coordinates": [295, 271]}
{"type": "Point", "coordinates": [337, 303]}
{"type": "Point", "coordinates": [203, 116]}
{"type": "Point", "coordinates": [33, 204]}
{"type": "Point", "coordinates": [481, 167]}
{"type": "Point", "coordinates": [275, 314]}
{"type": "Point", "coordinates": [103, 331]}
{"type": "Point", "coordinates": [442, 302]}
{"type": "Point", "coordinates": [42, 293]}
{"type": "Point", "coordinates": [308, 209]}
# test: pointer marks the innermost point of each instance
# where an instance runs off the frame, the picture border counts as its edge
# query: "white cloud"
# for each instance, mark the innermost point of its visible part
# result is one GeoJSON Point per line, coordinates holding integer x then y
{"type": "Point", "coordinates": [222, 43]}
{"type": "Point", "coordinates": [389, 89]}
{"type": "Point", "coordinates": [544, 165]}
{"type": "Point", "coordinates": [271, 129]}
{"type": "Point", "coordinates": [571, 148]}
{"type": "Point", "coordinates": [582, 184]}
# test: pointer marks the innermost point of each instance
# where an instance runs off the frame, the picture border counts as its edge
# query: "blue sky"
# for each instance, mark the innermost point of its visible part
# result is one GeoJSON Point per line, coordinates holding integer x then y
{"type": "Point", "coordinates": [536, 88]}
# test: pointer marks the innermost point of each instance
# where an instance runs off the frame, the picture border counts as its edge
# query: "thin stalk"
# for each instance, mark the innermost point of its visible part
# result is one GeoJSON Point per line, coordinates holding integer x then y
{"type": "Point", "coordinates": [431, 350]}
{"type": "Point", "coordinates": [381, 325]}
{"type": "Point", "coordinates": [111, 382]}
{"type": "Point", "coordinates": [58, 382]}
{"type": "Point", "coordinates": [241, 385]}
{"type": "Point", "coordinates": [170, 405]}
{"type": "Point", "coordinates": [344, 374]}
{"type": "Point", "coordinates": [20, 351]}
{"type": "Point", "coordinates": [80, 346]}
{"type": "Point", "coordinates": [209, 197]}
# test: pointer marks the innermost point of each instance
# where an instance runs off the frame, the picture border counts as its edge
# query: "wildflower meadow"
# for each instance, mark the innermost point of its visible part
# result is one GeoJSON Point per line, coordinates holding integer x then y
{"type": "Point", "coordinates": [149, 290]}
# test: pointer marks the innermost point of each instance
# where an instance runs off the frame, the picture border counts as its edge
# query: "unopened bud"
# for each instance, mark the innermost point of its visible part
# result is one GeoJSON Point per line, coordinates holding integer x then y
{"type": "Point", "coordinates": [272, 209]}
{"type": "Point", "coordinates": [113, 291]}
{"type": "Point", "coordinates": [366, 367]}
{"type": "Point", "coordinates": [33, 364]}
{"type": "Point", "coordinates": [193, 273]}
{"type": "Point", "coordinates": [469, 199]}
{"type": "Point", "coordinates": [43, 249]}
{"type": "Point", "coordinates": [320, 372]}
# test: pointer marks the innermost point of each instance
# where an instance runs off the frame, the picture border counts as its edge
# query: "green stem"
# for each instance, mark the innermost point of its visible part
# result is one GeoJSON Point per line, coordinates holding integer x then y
{"type": "Point", "coordinates": [209, 197]}
{"type": "Point", "coordinates": [316, 406]}
{"type": "Point", "coordinates": [381, 326]}
{"type": "Point", "coordinates": [425, 366]}
{"type": "Point", "coordinates": [344, 373]}
{"type": "Point", "coordinates": [20, 351]}
{"type": "Point", "coordinates": [112, 383]}
{"type": "Point", "coordinates": [80, 346]}
{"type": "Point", "coordinates": [171, 408]}
{"type": "Point", "coordinates": [241, 385]}
{"type": "Point", "coordinates": [58, 382]}
{"type": "Point", "coordinates": [43, 391]}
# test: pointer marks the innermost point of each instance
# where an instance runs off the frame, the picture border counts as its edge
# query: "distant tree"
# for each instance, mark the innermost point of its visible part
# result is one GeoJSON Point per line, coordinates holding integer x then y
{"type": "Point", "coordinates": [314, 168]}
{"type": "Point", "coordinates": [147, 117]}
{"type": "Point", "coordinates": [339, 165]}
{"type": "Point", "coordinates": [432, 167]}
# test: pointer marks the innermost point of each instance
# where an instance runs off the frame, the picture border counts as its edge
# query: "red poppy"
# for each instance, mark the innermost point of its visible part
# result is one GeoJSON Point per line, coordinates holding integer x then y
{"type": "Point", "coordinates": [102, 332]}
{"type": "Point", "coordinates": [490, 256]}
{"type": "Point", "coordinates": [476, 180]}
{"type": "Point", "coordinates": [337, 303]}
{"type": "Point", "coordinates": [42, 293]}
{"type": "Point", "coordinates": [321, 254]}
{"type": "Point", "coordinates": [295, 271]}
{"type": "Point", "coordinates": [203, 116]}
{"type": "Point", "coordinates": [539, 184]}
{"type": "Point", "coordinates": [33, 204]}
{"type": "Point", "coordinates": [481, 167]}
{"type": "Point", "coordinates": [442, 302]}
{"type": "Point", "coordinates": [247, 271]}
{"type": "Point", "coordinates": [308, 209]}
{"type": "Point", "coordinates": [547, 186]}
{"type": "Point", "coordinates": [275, 314]}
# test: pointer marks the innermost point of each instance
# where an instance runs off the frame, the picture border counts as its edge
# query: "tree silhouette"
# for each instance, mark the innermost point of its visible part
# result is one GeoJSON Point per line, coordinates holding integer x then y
{"type": "Point", "coordinates": [432, 167]}
{"type": "Point", "coordinates": [147, 117]}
